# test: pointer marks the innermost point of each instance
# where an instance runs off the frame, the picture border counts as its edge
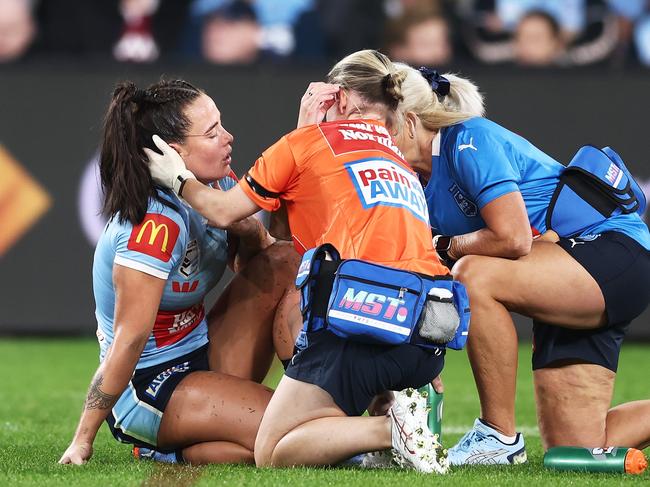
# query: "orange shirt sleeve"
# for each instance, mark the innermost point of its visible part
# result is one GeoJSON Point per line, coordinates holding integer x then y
{"type": "Point", "coordinates": [274, 171]}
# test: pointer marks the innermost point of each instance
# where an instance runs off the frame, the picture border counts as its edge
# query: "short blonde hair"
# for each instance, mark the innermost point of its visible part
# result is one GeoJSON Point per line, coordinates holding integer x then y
{"type": "Point", "coordinates": [464, 100]}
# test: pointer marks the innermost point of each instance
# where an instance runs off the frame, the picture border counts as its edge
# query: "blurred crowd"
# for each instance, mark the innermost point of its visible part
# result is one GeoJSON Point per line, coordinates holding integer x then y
{"type": "Point", "coordinates": [612, 33]}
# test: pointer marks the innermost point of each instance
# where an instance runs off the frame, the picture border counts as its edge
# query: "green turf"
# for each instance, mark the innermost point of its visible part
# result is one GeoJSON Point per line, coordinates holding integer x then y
{"type": "Point", "coordinates": [43, 384]}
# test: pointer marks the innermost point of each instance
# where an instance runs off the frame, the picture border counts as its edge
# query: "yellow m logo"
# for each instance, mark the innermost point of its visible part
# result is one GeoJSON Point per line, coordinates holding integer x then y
{"type": "Point", "coordinates": [155, 230]}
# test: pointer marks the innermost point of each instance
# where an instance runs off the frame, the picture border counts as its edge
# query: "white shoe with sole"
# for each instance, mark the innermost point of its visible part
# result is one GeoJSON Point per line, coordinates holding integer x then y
{"type": "Point", "coordinates": [413, 443]}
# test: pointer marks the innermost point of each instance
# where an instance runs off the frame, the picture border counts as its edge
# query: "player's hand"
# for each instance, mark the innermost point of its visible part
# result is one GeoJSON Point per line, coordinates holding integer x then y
{"type": "Point", "coordinates": [437, 385]}
{"type": "Point", "coordinates": [167, 169]}
{"type": "Point", "coordinates": [77, 454]}
{"type": "Point", "coordinates": [548, 236]}
{"type": "Point", "coordinates": [314, 104]}
{"type": "Point", "coordinates": [381, 403]}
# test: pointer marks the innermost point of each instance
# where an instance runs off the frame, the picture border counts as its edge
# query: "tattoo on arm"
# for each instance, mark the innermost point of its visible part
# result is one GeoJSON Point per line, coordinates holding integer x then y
{"type": "Point", "coordinates": [97, 399]}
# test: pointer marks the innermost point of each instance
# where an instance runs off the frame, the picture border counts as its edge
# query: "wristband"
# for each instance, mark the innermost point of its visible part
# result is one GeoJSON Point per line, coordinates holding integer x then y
{"type": "Point", "coordinates": [178, 183]}
{"type": "Point", "coordinates": [442, 244]}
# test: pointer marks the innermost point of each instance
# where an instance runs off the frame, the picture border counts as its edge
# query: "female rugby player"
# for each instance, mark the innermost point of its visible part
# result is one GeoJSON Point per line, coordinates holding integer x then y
{"type": "Point", "coordinates": [167, 379]}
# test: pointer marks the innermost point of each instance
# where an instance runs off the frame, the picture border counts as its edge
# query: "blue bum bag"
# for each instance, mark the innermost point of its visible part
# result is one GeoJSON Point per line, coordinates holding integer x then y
{"type": "Point", "coordinates": [596, 185]}
{"type": "Point", "coordinates": [372, 303]}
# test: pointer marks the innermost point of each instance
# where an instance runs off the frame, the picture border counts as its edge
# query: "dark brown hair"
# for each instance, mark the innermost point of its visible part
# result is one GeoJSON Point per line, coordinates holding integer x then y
{"type": "Point", "coordinates": [133, 117]}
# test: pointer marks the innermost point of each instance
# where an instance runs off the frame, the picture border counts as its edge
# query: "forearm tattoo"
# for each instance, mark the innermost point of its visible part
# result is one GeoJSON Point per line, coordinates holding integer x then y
{"type": "Point", "coordinates": [97, 399]}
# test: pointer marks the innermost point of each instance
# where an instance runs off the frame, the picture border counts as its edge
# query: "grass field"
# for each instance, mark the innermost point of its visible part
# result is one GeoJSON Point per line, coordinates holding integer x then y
{"type": "Point", "coordinates": [43, 385]}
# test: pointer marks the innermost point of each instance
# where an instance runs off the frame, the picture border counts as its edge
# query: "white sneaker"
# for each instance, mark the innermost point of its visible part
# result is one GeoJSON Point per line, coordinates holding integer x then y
{"type": "Point", "coordinates": [413, 443]}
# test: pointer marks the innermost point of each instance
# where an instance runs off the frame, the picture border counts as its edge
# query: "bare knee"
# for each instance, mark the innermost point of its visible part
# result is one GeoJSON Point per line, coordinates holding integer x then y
{"type": "Point", "coordinates": [472, 271]}
{"type": "Point", "coordinates": [282, 256]}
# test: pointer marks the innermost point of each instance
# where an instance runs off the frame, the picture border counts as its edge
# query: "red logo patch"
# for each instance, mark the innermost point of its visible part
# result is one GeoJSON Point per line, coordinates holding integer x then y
{"type": "Point", "coordinates": [173, 326]}
{"type": "Point", "coordinates": [344, 138]}
{"type": "Point", "coordinates": [184, 287]}
{"type": "Point", "coordinates": [155, 236]}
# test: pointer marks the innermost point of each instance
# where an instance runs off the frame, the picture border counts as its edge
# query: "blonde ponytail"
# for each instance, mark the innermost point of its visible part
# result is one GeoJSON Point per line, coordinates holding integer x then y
{"type": "Point", "coordinates": [461, 103]}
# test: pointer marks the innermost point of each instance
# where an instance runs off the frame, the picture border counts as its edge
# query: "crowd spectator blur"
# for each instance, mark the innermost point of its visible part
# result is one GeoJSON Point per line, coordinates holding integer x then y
{"type": "Point", "coordinates": [17, 29]}
{"type": "Point", "coordinates": [440, 33]}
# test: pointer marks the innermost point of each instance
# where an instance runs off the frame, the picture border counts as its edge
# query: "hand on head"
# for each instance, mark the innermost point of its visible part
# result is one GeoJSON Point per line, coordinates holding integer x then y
{"type": "Point", "coordinates": [314, 104]}
{"type": "Point", "coordinates": [167, 169]}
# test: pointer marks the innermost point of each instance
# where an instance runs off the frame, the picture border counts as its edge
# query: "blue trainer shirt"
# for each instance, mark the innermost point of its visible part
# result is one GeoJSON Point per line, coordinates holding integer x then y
{"type": "Point", "coordinates": [477, 161]}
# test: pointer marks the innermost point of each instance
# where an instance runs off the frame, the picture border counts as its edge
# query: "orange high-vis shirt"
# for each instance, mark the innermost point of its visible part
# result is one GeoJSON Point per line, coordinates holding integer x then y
{"type": "Point", "coordinates": [346, 183]}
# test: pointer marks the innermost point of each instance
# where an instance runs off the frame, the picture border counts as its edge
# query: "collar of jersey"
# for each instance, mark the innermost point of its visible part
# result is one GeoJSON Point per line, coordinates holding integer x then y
{"type": "Point", "coordinates": [435, 144]}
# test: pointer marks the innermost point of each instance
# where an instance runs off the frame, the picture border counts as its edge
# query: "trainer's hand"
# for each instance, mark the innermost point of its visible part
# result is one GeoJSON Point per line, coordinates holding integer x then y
{"type": "Point", "coordinates": [77, 454]}
{"type": "Point", "coordinates": [167, 169]}
{"type": "Point", "coordinates": [314, 104]}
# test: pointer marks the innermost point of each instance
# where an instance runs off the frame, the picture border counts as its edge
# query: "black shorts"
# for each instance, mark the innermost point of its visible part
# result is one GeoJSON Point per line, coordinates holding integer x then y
{"type": "Point", "coordinates": [353, 372]}
{"type": "Point", "coordinates": [137, 415]}
{"type": "Point", "coordinates": [621, 267]}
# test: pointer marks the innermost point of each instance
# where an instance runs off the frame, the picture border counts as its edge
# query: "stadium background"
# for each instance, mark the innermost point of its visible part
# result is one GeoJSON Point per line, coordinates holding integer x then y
{"type": "Point", "coordinates": [50, 121]}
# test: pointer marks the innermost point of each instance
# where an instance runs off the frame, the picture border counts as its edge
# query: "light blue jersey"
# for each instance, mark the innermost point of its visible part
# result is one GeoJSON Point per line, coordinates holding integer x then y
{"type": "Point", "coordinates": [477, 161]}
{"type": "Point", "coordinates": [173, 243]}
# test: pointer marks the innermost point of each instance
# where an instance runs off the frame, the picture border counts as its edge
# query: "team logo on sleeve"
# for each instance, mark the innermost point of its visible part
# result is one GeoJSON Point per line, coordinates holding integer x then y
{"type": "Point", "coordinates": [384, 182]}
{"type": "Point", "coordinates": [155, 236]}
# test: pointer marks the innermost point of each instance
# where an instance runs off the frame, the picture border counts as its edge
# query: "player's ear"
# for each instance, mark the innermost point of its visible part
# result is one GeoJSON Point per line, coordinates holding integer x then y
{"type": "Point", "coordinates": [178, 148]}
{"type": "Point", "coordinates": [411, 124]}
{"type": "Point", "coordinates": [342, 101]}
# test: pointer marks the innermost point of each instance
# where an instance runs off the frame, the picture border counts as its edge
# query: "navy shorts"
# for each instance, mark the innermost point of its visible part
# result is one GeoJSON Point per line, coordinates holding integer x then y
{"type": "Point", "coordinates": [354, 372]}
{"type": "Point", "coordinates": [621, 267]}
{"type": "Point", "coordinates": [137, 415]}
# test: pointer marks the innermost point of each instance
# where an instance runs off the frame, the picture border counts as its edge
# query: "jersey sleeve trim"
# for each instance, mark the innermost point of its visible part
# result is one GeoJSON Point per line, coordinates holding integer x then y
{"type": "Point", "coordinates": [259, 189]}
{"type": "Point", "coordinates": [268, 204]}
{"type": "Point", "coordinates": [139, 266]}
{"type": "Point", "coordinates": [496, 191]}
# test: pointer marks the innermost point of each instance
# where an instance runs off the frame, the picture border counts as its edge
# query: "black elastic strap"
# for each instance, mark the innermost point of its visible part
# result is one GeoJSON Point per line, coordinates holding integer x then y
{"type": "Point", "coordinates": [182, 186]}
{"type": "Point", "coordinates": [323, 288]}
{"type": "Point", "coordinates": [590, 191]}
{"type": "Point", "coordinates": [259, 189]}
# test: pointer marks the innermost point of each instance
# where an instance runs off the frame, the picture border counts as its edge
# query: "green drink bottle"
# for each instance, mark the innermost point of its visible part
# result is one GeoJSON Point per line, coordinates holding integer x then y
{"type": "Point", "coordinates": [435, 403]}
{"type": "Point", "coordinates": [612, 459]}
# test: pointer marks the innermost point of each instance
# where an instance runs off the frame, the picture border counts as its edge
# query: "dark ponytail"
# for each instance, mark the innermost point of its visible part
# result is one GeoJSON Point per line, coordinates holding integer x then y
{"type": "Point", "coordinates": [133, 117]}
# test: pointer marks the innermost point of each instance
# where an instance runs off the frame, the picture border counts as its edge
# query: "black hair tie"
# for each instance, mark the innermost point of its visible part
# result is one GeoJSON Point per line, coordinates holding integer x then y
{"type": "Point", "coordinates": [139, 96]}
{"type": "Point", "coordinates": [438, 83]}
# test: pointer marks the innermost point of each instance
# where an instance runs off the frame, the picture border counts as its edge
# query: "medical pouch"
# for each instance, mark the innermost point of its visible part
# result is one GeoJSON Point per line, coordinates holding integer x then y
{"type": "Point", "coordinates": [439, 319]}
{"type": "Point", "coordinates": [596, 185]}
{"type": "Point", "coordinates": [374, 303]}
{"type": "Point", "coordinates": [445, 316]}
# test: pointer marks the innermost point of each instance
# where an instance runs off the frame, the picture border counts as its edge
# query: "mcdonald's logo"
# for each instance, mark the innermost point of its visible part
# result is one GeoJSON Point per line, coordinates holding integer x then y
{"type": "Point", "coordinates": [155, 236]}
